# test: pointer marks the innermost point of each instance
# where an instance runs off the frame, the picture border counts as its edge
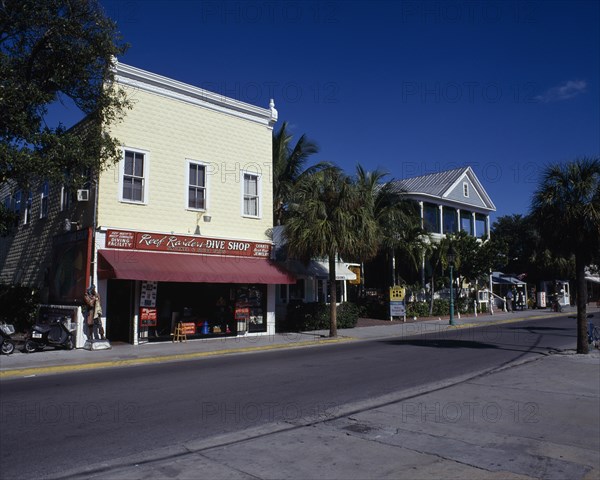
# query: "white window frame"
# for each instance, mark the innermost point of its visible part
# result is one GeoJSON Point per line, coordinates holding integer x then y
{"type": "Point", "coordinates": [27, 210]}
{"type": "Point", "coordinates": [44, 199]}
{"type": "Point", "coordinates": [258, 193]}
{"type": "Point", "coordinates": [465, 190]}
{"type": "Point", "coordinates": [145, 176]}
{"type": "Point", "coordinates": [189, 162]}
{"type": "Point", "coordinates": [65, 198]}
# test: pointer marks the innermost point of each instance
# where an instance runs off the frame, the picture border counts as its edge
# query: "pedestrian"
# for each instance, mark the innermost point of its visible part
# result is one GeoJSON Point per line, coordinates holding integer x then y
{"type": "Point", "coordinates": [93, 315]}
{"type": "Point", "coordinates": [509, 299]}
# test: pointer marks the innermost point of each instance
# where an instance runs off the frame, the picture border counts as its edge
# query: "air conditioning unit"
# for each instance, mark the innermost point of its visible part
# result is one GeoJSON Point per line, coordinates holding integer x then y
{"type": "Point", "coordinates": [83, 195]}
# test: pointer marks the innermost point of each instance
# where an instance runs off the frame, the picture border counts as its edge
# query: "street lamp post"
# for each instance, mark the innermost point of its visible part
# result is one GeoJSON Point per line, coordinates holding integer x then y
{"type": "Point", "coordinates": [451, 257]}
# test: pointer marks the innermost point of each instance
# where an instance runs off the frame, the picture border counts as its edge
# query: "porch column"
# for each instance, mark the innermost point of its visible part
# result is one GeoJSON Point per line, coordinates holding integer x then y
{"type": "Point", "coordinates": [136, 305]}
{"type": "Point", "coordinates": [474, 218]}
{"type": "Point", "coordinates": [441, 219]}
{"type": "Point", "coordinates": [422, 214]}
{"type": "Point", "coordinates": [270, 317]}
{"type": "Point", "coordinates": [487, 225]}
{"type": "Point", "coordinates": [459, 223]}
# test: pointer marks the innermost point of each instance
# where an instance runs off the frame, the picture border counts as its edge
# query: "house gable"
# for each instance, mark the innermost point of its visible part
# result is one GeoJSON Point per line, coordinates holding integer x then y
{"type": "Point", "coordinates": [464, 191]}
{"type": "Point", "coordinates": [468, 190]}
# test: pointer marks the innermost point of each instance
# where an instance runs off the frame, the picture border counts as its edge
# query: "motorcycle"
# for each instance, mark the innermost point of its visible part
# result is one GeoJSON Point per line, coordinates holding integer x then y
{"type": "Point", "coordinates": [6, 331]}
{"type": "Point", "coordinates": [54, 334]}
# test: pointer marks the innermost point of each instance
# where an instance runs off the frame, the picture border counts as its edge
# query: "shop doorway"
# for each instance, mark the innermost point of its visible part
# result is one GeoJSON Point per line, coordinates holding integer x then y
{"type": "Point", "coordinates": [119, 310]}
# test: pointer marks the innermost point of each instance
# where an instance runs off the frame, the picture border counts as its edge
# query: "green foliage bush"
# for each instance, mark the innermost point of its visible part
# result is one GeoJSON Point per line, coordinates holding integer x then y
{"type": "Point", "coordinates": [374, 308]}
{"type": "Point", "coordinates": [441, 307]}
{"type": "Point", "coordinates": [18, 306]}
{"type": "Point", "coordinates": [347, 315]}
{"type": "Point", "coordinates": [315, 316]}
{"type": "Point", "coordinates": [417, 309]}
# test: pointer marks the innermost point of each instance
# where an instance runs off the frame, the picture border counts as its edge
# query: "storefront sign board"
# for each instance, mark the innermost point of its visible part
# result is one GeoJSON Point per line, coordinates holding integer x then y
{"type": "Point", "coordinates": [148, 294]}
{"type": "Point", "coordinates": [160, 242]}
{"type": "Point", "coordinates": [189, 328]}
{"type": "Point", "coordinates": [148, 317]}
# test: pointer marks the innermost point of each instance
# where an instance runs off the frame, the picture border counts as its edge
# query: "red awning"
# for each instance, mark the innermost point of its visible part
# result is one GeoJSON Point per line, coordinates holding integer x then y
{"type": "Point", "coordinates": [180, 267]}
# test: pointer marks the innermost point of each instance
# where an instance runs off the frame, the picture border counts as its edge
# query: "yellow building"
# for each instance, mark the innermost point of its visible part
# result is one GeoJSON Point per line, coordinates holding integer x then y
{"type": "Point", "coordinates": [178, 230]}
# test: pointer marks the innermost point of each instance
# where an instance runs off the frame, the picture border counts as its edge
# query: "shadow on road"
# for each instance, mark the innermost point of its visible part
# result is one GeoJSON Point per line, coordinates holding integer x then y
{"type": "Point", "coordinates": [551, 330]}
{"type": "Point", "coordinates": [470, 344]}
{"type": "Point", "coordinates": [442, 343]}
{"type": "Point", "coordinates": [535, 329]}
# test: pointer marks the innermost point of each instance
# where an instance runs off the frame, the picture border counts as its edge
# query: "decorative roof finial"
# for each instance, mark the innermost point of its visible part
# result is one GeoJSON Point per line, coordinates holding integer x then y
{"type": "Point", "coordinates": [274, 113]}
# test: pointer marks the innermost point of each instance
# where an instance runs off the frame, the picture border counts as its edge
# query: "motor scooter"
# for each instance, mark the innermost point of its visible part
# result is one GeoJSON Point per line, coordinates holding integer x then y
{"type": "Point", "coordinates": [6, 331]}
{"type": "Point", "coordinates": [54, 334]}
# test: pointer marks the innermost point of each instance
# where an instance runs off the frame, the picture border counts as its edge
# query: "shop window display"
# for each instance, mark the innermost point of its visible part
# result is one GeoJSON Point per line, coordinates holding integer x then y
{"type": "Point", "coordinates": [209, 310]}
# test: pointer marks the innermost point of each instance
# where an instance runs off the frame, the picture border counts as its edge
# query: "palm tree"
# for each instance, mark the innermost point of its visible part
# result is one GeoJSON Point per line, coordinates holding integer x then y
{"type": "Point", "coordinates": [566, 208]}
{"type": "Point", "coordinates": [288, 168]}
{"type": "Point", "coordinates": [329, 218]}
{"type": "Point", "coordinates": [397, 216]}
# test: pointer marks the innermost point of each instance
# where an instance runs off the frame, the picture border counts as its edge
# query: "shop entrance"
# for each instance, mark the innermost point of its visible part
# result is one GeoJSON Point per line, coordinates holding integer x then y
{"type": "Point", "coordinates": [119, 310]}
{"type": "Point", "coordinates": [208, 310]}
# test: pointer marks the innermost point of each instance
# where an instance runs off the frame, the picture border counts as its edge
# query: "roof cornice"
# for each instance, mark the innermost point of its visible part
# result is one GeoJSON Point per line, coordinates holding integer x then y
{"type": "Point", "coordinates": [167, 87]}
{"type": "Point", "coordinates": [447, 202]}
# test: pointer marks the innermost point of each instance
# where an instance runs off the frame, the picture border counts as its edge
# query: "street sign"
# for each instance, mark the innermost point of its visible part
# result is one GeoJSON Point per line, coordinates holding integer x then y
{"type": "Point", "coordinates": [397, 293]}
{"type": "Point", "coordinates": [397, 309]}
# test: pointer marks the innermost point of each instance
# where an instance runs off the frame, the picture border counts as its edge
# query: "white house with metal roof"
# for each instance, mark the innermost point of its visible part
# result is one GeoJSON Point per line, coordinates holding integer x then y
{"type": "Point", "coordinates": [450, 201]}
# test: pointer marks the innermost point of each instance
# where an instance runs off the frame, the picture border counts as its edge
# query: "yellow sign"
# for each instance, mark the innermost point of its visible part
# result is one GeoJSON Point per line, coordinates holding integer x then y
{"type": "Point", "coordinates": [356, 270]}
{"type": "Point", "coordinates": [397, 293]}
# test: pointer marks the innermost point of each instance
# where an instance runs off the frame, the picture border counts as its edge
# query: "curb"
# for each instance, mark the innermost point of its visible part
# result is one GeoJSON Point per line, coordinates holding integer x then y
{"type": "Point", "coordinates": [33, 371]}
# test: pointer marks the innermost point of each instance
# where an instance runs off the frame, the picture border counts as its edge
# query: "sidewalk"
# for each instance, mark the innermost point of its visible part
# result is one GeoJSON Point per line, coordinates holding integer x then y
{"type": "Point", "coordinates": [54, 361]}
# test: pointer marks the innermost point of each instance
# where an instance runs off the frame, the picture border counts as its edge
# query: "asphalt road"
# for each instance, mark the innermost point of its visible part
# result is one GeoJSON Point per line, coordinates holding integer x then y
{"type": "Point", "coordinates": [53, 423]}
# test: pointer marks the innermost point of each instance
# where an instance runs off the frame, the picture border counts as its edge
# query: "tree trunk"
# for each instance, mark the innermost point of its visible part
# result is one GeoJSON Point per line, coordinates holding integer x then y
{"type": "Point", "coordinates": [393, 266]}
{"type": "Point", "coordinates": [432, 293]}
{"type": "Point", "coordinates": [332, 298]}
{"type": "Point", "coordinates": [582, 341]}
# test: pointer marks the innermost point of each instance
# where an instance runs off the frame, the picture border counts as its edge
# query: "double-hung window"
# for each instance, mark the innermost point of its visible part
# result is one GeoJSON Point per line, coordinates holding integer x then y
{"type": "Point", "coordinates": [251, 201]}
{"type": "Point", "coordinates": [134, 176]}
{"type": "Point", "coordinates": [196, 186]}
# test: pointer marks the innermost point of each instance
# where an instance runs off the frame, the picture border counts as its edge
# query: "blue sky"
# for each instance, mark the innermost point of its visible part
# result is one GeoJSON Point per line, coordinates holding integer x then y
{"type": "Point", "coordinates": [410, 87]}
